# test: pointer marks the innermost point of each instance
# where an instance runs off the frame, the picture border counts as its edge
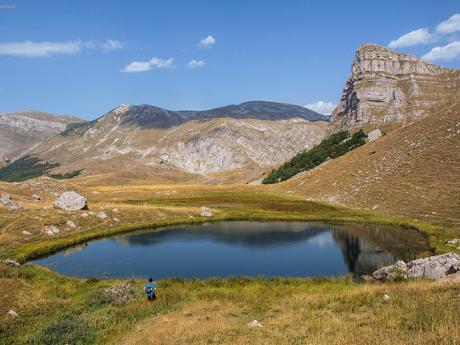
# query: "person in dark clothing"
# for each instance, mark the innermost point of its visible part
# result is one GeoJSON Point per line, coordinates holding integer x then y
{"type": "Point", "coordinates": [151, 290]}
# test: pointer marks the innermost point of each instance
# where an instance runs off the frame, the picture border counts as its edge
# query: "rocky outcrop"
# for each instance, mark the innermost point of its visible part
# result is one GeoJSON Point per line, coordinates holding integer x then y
{"type": "Point", "coordinates": [385, 86]}
{"type": "Point", "coordinates": [21, 131]}
{"type": "Point", "coordinates": [71, 201]}
{"type": "Point", "coordinates": [433, 267]}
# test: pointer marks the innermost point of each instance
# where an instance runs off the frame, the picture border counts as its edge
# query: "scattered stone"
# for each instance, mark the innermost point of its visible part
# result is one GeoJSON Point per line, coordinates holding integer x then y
{"type": "Point", "coordinates": [71, 224]}
{"type": "Point", "coordinates": [116, 219]}
{"type": "Point", "coordinates": [386, 297]}
{"type": "Point", "coordinates": [84, 215]}
{"type": "Point", "coordinates": [206, 212]}
{"type": "Point", "coordinates": [255, 323]}
{"type": "Point", "coordinates": [453, 242]}
{"type": "Point", "coordinates": [91, 213]}
{"type": "Point", "coordinates": [433, 267]}
{"type": "Point", "coordinates": [71, 201]}
{"type": "Point", "coordinates": [96, 192]}
{"type": "Point", "coordinates": [12, 313]}
{"type": "Point", "coordinates": [11, 262]}
{"type": "Point", "coordinates": [375, 207]}
{"type": "Point", "coordinates": [102, 215]}
{"type": "Point", "coordinates": [26, 233]}
{"type": "Point", "coordinates": [115, 210]}
{"type": "Point", "coordinates": [15, 206]}
{"type": "Point", "coordinates": [52, 230]}
{"type": "Point", "coordinates": [374, 135]}
{"type": "Point", "coordinates": [120, 293]}
{"type": "Point", "coordinates": [36, 197]}
{"type": "Point", "coordinates": [6, 199]}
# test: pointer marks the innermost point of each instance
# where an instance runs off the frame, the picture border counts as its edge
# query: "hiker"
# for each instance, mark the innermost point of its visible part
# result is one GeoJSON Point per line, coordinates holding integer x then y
{"type": "Point", "coordinates": [150, 289]}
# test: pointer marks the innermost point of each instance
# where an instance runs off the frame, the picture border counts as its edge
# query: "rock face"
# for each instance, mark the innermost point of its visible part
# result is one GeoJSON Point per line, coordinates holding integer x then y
{"type": "Point", "coordinates": [433, 267]}
{"type": "Point", "coordinates": [71, 201]}
{"type": "Point", "coordinates": [22, 130]}
{"type": "Point", "coordinates": [385, 86]}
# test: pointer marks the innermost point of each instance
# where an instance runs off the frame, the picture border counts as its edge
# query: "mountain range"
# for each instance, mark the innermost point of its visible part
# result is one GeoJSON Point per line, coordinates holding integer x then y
{"type": "Point", "coordinates": [234, 143]}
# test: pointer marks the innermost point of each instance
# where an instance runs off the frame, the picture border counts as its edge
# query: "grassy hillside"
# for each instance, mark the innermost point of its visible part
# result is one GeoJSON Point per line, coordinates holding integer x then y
{"type": "Point", "coordinates": [413, 171]}
{"type": "Point", "coordinates": [59, 310]}
{"type": "Point", "coordinates": [332, 147]}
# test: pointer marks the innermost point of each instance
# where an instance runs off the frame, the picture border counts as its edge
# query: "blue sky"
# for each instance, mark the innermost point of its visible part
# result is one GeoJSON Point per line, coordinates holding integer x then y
{"type": "Point", "coordinates": [86, 57]}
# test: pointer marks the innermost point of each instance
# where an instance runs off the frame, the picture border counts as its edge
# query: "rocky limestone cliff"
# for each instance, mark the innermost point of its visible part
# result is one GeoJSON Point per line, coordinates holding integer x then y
{"type": "Point", "coordinates": [21, 131]}
{"type": "Point", "coordinates": [385, 86]}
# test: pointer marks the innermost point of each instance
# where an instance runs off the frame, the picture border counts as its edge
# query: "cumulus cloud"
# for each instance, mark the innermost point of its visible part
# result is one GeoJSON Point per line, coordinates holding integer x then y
{"type": "Point", "coordinates": [413, 38]}
{"type": "Point", "coordinates": [450, 25]}
{"type": "Point", "coordinates": [142, 66]}
{"type": "Point", "coordinates": [447, 52]}
{"type": "Point", "coordinates": [46, 49]}
{"type": "Point", "coordinates": [195, 64]}
{"type": "Point", "coordinates": [322, 107]}
{"type": "Point", "coordinates": [207, 41]}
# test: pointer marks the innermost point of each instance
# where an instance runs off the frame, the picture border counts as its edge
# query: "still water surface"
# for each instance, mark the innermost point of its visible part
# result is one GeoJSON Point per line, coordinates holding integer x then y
{"type": "Point", "coordinates": [295, 249]}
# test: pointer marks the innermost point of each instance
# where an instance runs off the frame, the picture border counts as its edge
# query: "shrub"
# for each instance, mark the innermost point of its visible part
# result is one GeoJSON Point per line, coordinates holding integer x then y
{"type": "Point", "coordinates": [333, 146]}
{"type": "Point", "coordinates": [69, 329]}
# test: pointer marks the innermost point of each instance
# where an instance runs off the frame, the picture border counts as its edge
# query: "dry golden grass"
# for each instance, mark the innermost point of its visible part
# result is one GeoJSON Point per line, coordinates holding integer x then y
{"type": "Point", "coordinates": [412, 171]}
{"type": "Point", "coordinates": [417, 313]}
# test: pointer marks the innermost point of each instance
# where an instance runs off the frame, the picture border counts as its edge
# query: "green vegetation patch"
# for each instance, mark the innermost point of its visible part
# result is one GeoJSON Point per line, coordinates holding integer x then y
{"type": "Point", "coordinates": [67, 175]}
{"type": "Point", "coordinates": [25, 168]}
{"type": "Point", "coordinates": [332, 147]}
{"type": "Point", "coordinates": [77, 128]}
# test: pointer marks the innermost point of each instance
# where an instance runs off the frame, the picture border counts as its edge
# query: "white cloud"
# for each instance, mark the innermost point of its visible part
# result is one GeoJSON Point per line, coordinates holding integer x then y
{"type": "Point", "coordinates": [450, 25]}
{"type": "Point", "coordinates": [322, 107]}
{"type": "Point", "coordinates": [46, 49]}
{"type": "Point", "coordinates": [207, 41]}
{"type": "Point", "coordinates": [447, 52]}
{"type": "Point", "coordinates": [413, 38]}
{"type": "Point", "coordinates": [142, 66]}
{"type": "Point", "coordinates": [195, 64]}
{"type": "Point", "coordinates": [109, 45]}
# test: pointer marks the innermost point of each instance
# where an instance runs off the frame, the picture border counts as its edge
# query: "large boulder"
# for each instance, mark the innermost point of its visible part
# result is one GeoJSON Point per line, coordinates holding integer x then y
{"type": "Point", "coordinates": [398, 271]}
{"type": "Point", "coordinates": [71, 201]}
{"type": "Point", "coordinates": [433, 267]}
{"type": "Point", "coordinates": [206, 212]}
{"type": "Point", "coordinates": [374, 135]}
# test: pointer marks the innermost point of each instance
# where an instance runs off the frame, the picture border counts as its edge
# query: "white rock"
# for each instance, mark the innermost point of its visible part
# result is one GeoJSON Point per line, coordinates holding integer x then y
{"type": "Point", "coordinates": [102, 215]}
{"type": "Point", "coordinates": [51, 230]}
{"type": "Point", "coordinates": [255, 323]}
{"type": "Point", "coordinates": [11, 262]}
{"type": "Point", "coordinates": [84, 215]}
{"type": "Point", "coordinates": [374, 135]}
{"type": "Point", "coordinates": [433, 267]}
{"type": "Point", "coordinates": [71, 224]}
{"type": "Point", "coordinates": [12, 313]}
{"type": "Point", "coordinates": [206, 212]}
{"type": "Point", "coordinates": [386, 297]}
{"type": "Point", "coordinates": [26, 233]}
{"type": "Point", "coordinates": [115, 210]}
{"type": "Point", "coordinates": [6, 199]}
{"type": "Point", "coordinates": [71, 201]}
{"type": "Point", "coordinates": [454, 242]}
{"type": "Point", "coordinates": [116, 219]}
{"type": "Point", "coordinates": [36, 197]}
